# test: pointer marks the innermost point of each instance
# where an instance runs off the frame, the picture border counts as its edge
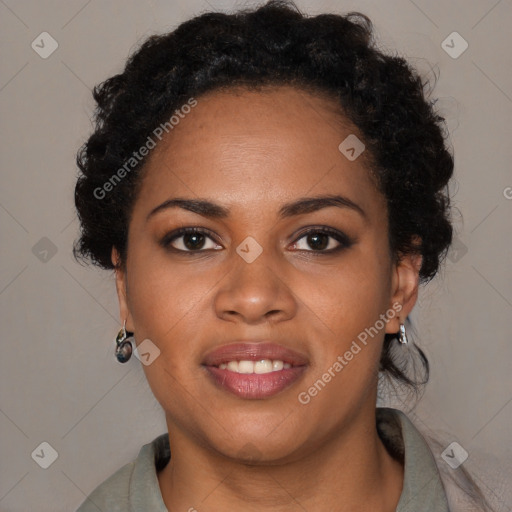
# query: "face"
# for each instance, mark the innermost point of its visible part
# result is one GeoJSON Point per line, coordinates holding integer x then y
{"type": "Point", "coordinates": [265, 268]}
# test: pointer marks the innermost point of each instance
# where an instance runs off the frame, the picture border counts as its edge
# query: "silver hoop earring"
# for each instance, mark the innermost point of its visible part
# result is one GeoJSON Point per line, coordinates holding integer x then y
{"type": "Point", "coordinates": [402, 335]}
{"type": "Point", "coordinates": [124, 346]}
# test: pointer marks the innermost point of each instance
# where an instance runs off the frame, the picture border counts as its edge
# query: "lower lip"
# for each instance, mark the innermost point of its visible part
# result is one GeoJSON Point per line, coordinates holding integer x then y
{"type": "Point", "coordinates": [253, 385]}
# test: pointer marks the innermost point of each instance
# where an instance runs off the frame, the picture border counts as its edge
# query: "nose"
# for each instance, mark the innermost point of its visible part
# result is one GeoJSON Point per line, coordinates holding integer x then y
{"type": "Point", "coordinates": [255, 293]}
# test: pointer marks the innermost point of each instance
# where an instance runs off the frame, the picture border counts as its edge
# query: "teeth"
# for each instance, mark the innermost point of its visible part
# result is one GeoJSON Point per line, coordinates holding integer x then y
{"type": "Point", "coordinates": [258, 367]}
{"type": "Point", "coordinates": [245, 367]}
{"type": "Point", "coordinates": [233, 366]}
{"type": "Point", "coordinates": [263, 366]}
{"type": "Point", "coordinates": [277, 365]}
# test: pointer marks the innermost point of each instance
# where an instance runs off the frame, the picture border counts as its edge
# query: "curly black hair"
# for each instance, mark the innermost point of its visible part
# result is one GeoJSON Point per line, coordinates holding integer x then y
{"type": "Point", "coordinates": [274, 44]}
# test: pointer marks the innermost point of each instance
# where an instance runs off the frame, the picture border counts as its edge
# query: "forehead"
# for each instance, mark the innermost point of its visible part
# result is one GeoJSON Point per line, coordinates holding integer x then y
{"type": "Point", "coordinates": [240, 146]}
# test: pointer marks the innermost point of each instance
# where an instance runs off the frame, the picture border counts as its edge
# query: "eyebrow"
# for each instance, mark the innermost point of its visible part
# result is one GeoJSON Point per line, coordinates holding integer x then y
{"type": "Point", "coordinates": [300, 206]}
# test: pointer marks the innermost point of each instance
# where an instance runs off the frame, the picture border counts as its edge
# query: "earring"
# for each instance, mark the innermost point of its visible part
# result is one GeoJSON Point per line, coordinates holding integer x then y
{"type": "Point", "coordinates": [402, 335]}
{"type": "Point", "coordinates": [123, 345]}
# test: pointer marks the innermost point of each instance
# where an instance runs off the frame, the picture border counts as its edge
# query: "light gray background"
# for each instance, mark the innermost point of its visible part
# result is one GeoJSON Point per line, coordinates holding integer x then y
{"type": "Point", "coordinates": [60, 383]}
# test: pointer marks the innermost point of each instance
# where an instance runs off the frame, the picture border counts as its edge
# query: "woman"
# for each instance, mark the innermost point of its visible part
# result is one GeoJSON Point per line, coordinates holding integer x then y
{"type": "Point", "coordinates": [271, 190]}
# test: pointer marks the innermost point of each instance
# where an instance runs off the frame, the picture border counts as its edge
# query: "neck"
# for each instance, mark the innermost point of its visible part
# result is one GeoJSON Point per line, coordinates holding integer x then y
{"type": "Point", "coordinates": [342, 473]}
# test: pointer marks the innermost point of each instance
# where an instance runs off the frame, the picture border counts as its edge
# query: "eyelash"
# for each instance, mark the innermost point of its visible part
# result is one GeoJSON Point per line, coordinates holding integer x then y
{"type": "Point", "coordinates": [344, 241]}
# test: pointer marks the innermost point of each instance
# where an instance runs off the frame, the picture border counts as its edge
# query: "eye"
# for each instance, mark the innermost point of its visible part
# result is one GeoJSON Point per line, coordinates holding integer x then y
{"type": "Point", "coordinates": [193, 240]}
{"type": "Point", "coordinates": [323, 240]}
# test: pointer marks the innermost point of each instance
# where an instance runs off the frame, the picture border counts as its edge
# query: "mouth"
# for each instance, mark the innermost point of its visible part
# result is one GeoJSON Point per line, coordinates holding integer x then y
{"type": "Point", "coordinates": [254, 370]}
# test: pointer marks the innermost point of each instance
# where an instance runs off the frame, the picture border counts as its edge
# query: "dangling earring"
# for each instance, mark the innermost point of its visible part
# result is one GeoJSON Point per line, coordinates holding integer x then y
{"type": "Point", "coordinates": [402, 335]}
{"type": "Point", "coordinates": [123, 345]}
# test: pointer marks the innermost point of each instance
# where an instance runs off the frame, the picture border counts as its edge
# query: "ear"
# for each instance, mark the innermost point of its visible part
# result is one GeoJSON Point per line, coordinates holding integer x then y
{"type": "Point", "coordinates": [405, 284]}
{"type": "Point", "coordinates": [121, 288]}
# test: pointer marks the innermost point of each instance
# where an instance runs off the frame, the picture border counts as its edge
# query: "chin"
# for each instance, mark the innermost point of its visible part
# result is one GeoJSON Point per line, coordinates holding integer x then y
{"type": "Point", "coordinates": [259, 444]}
{"type": "Point", "coordinates": [255, 454]}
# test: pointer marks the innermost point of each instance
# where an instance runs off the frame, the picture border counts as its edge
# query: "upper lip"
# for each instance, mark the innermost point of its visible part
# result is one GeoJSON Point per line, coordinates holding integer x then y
{"type": "Point", "coordinates": [253, 351]}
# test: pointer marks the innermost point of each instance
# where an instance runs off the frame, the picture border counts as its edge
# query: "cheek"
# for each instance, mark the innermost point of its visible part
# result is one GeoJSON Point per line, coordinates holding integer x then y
{"type": "Point", "coordinates": [351, 299]}
{"type": "Point", "coordinates": [349, 295]}
{"type": "Point", "coordinates": [164, 294]}
{"type": "Point", "coordinates": [171, 300]}
{"type": "Point", "coordinates": [167, 305]}
{"type": "Point", "coordinates": [349, 306]}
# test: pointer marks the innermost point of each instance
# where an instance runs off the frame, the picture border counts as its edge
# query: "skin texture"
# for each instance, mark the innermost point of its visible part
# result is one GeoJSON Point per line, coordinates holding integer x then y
{"type": "Point", "coordinates": [253, 151]}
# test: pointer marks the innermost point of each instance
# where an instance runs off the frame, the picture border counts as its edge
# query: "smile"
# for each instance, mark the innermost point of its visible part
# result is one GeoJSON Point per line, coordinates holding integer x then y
{"type": "Point", "coordinates": [258, 367]}
{"type": "Point", "coordinates": [254, 370]}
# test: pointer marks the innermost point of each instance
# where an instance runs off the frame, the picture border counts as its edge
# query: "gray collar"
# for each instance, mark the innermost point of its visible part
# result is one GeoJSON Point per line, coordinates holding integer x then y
{"type": "Point", "coordinates": [422, 490]}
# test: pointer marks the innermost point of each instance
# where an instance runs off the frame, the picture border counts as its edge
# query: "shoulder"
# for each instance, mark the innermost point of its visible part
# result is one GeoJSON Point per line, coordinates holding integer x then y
{"type": "Point", "coordinates": [135, 485]}
{"type": "Point", "coordinates": [422, 480]}
{"type": "Point", "coordinates": [112, 494]}
{"type": "Point", "coordinates": [464, 482]}
{"type": "Point", "coordinates": [468, 483]}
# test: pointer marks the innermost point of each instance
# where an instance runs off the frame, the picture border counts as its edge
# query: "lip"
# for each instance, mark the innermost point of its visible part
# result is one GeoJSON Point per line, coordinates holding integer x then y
{"type": "Point", "coordinates": [254, 386]}
{"type": "Point", "coordinates": [253, 351]}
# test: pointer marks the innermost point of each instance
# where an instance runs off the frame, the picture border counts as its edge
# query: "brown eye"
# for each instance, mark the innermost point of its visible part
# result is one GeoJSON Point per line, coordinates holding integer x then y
{"type": "Point", "coordinates": [318, 241]}
{"type": "Point", "coordinates": [189, 240]}
{"type": "Point", "coordinates": [193, 241]}
{"type": "Point", "coordinates": [324, 240]}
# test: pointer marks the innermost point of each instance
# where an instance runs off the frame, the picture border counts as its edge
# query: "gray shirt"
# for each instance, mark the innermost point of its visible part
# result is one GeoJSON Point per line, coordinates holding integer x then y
{"type": "Point", "coordinates": [134, 487]}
